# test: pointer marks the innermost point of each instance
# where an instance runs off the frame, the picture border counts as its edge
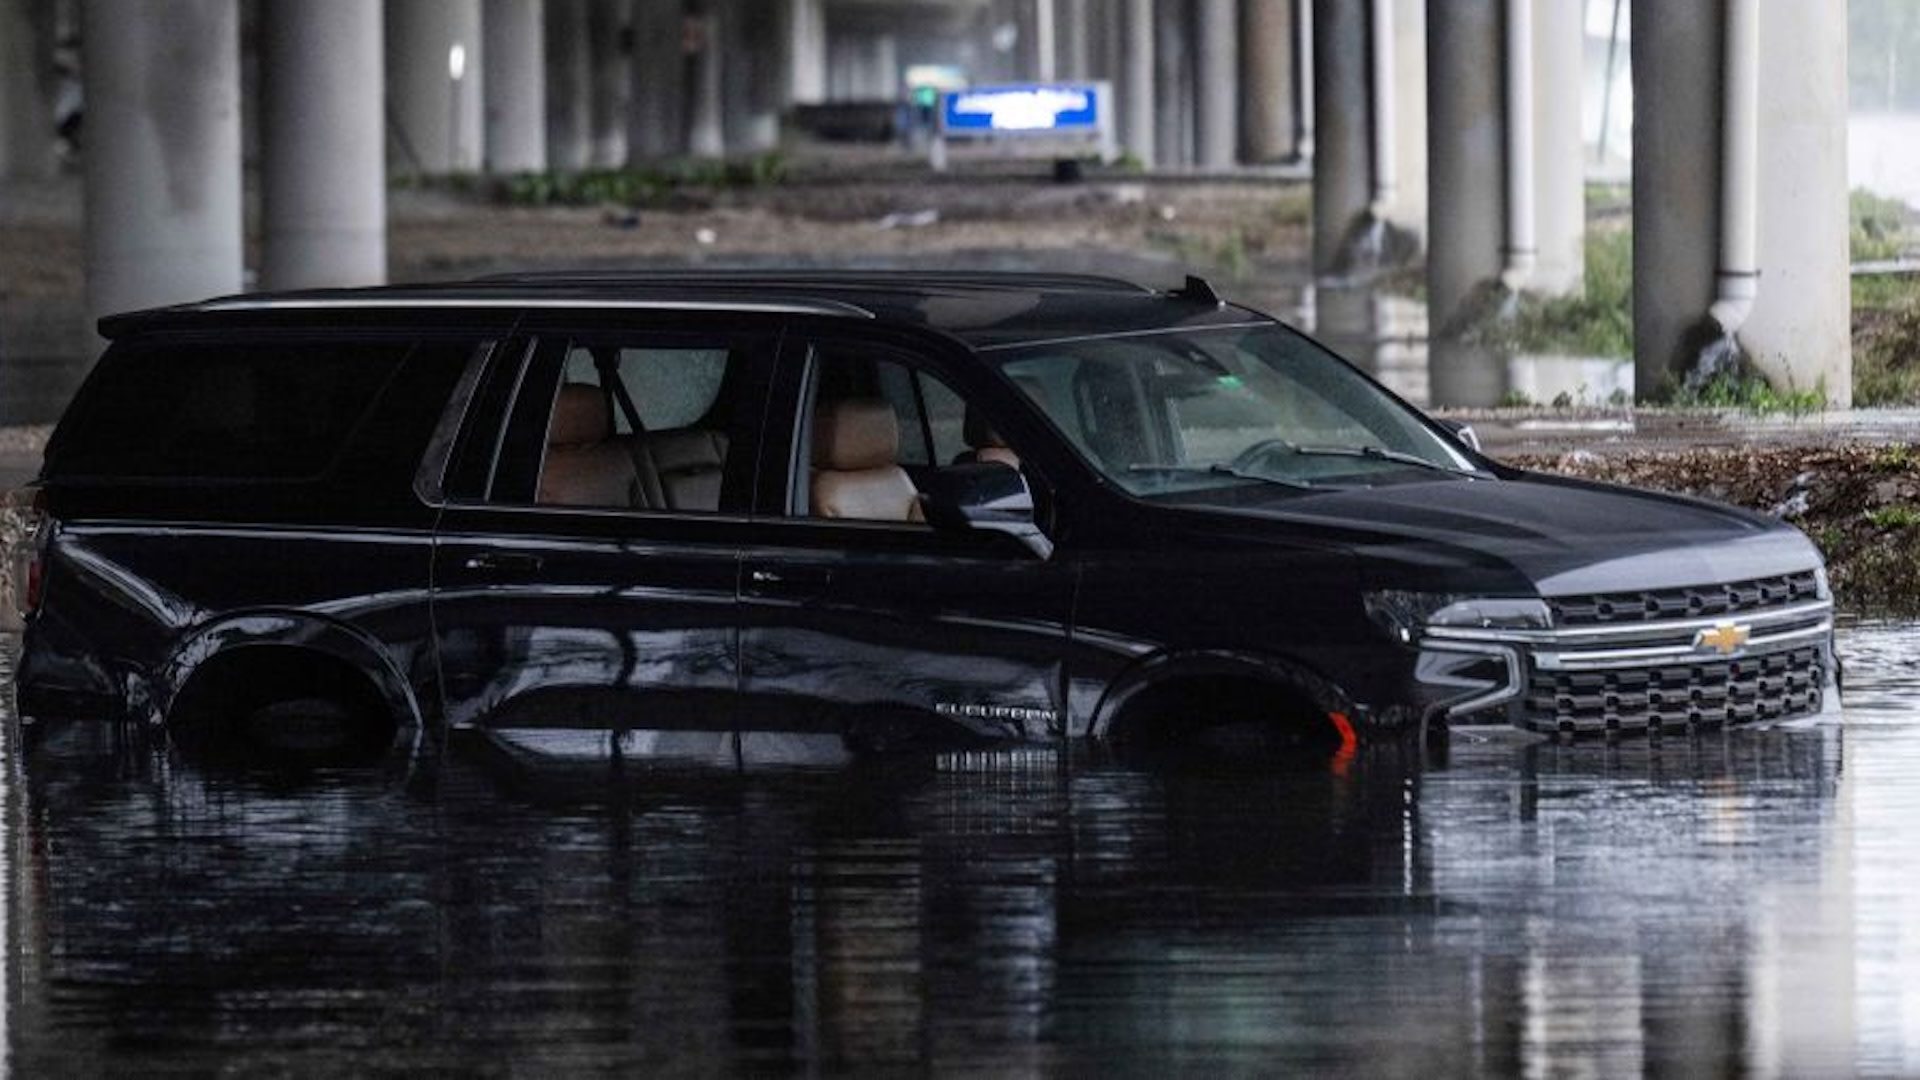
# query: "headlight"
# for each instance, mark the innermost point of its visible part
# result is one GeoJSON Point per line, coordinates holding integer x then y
{"type": "Point", "coordinates": [1406, 615]}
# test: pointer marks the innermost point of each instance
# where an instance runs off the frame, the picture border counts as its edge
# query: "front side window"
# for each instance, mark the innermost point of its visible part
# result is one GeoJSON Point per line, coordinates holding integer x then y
{"type": "Point", "coordinates": [1177, 412]}
{"type": "Point", "coordinates": [875, 429]}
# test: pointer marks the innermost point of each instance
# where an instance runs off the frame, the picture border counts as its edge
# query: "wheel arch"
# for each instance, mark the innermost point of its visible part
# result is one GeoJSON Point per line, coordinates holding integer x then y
{"type": "Point", "coordinates": [269, 637]}
{"type": "Point", "coordinates": [1152, 683]}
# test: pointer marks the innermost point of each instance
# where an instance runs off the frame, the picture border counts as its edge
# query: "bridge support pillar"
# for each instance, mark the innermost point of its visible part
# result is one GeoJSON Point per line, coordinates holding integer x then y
{"type": "Point", "coordinates": [1266, 81]}
{"type": "Point", "coordinates": [569, 98]}
{"type": "Point", "coordinates": [162, 152]}
{"type": "Point", "coordinates": [514, 49]}
{"type": "Point", "coordinates": [323, 155]}
{"type": "Point", "coordinates": [434, 76]}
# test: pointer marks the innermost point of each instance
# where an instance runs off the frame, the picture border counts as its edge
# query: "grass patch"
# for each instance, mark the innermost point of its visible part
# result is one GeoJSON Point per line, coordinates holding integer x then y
{"type": "Point", "coordinates": [1886, 340]}
{"type": "Point", "coordinates": [1880, 228]}
{"type": "Point", "coordinates": [640, 187]}
{"type": "Point", "coordinates": [1894, 517]}
{"type": "Point", "coordinates": [1748, 393]}
{"type": "Point", "coordinates": [1598, 322]}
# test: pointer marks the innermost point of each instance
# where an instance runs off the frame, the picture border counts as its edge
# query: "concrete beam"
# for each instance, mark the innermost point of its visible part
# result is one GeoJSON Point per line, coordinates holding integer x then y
{"type": "Point", "coordinates": [515, 87]}
{"type": "Point", "coordinates": [323, 167]}
{"type": "Point", "coordinates": [162, 152]}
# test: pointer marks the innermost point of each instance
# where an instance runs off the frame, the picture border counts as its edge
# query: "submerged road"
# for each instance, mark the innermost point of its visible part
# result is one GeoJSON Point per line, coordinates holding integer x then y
{"type": "Point", "coordinates": [1727, 904]}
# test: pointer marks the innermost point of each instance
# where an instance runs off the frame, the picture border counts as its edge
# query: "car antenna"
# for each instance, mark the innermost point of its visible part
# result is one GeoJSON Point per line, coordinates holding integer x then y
{"type": "Point", "coordinates": [1197, 290]}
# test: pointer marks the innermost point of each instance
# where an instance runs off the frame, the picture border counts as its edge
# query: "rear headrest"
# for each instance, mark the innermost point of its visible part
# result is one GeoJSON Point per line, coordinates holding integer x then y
{"type": "Point", "coordinates": [857, 433]}
{"type": "Point", "coordinates": [580, 416]}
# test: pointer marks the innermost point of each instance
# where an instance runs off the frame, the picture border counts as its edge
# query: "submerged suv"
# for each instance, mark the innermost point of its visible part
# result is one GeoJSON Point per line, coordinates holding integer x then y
{"type": "Point", "coordinates": [875, 510]}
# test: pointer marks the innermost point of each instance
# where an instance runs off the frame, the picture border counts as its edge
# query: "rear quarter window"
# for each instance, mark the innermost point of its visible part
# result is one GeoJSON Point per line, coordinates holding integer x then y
{"type": "Point", "coordinates": [263, 410]}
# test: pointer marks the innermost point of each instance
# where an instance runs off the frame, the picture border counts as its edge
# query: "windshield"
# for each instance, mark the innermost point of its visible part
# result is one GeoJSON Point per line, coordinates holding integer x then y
{"type": "Point", "coordinates": [1183, 411]}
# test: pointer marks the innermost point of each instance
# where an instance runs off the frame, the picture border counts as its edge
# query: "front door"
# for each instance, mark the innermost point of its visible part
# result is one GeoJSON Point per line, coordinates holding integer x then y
{"type": "Point", "coordinates": [586, 565]}
{"type": "Point", "coordinates": [863, 624]}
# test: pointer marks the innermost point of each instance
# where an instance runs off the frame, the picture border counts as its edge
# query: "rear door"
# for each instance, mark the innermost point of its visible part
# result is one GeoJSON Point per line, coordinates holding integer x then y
{"type": "Point", "coordinates": [570, 590]}
{"type": "Point", "coordinates": [880, 630]}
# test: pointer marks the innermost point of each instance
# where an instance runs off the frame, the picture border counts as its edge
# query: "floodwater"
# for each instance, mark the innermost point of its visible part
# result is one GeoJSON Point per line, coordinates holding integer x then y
{"type": "Point", "coordinates": [1735, 903]}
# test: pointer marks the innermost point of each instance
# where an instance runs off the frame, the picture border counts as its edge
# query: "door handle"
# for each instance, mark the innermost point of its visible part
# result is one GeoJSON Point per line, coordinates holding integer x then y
{"type": "Point", "coordinates": [788, 581]}
{"type": "Point", "coordinates": [500, 562]}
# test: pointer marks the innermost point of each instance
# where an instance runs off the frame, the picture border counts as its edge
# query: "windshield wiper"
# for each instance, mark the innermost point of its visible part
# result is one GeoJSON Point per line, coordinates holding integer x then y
{"type": "Point", "coordinates": [1220, 468]}
{"type": "Point", "coordinates": [1378, 453]}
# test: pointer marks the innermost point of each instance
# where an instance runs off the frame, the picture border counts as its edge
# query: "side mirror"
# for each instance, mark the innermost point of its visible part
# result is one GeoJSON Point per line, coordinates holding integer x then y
{"type": "Point", "coordinates": [983, 498]}
{"type": "Point", "coordinates": [1463, 433]}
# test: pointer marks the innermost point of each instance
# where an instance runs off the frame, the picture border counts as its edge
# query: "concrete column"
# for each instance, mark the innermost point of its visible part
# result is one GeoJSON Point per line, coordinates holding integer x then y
{"type": "Point", "coordinates": [1465, 183]}
{"type": "Point", "coordinates": [706, 133]}
{"type": "Point", "coordinates": [1342, 173]}
{"type": "Point", "coordinates": [747, 41]}
{"type": "Point", "coordinates": [434, 77]}
{"type": "Point", "coordinates": [1073, 33]}
{"type": "Point", "coordinates": [1560, 195]}
{"type": "Point", "coordinates": [806, 51]}
{"type": "Point", "coordinates": [162, 152]}
{"type": "Point", "coordinates": [609, 79]}
{"type": "Point", "coordinates": [1303, 78]}
{"type": "Point", "coordinates": [569, 90]}
{"type": "Point", "coordinates": [1216, 78]}
{"type": "Point", "coordinates": [1173, 81]}
{"type": "Point", "coordinates": [323, 168]}
{"type": "Point", "coordinates": [1039, 40]}
{"type": "Point", "coordinates": [516, 85]}
{"type": "Point", "coordinates": [1407, 209]}
{"type": "Point", "coordinates": [1800, 333]}
{"type": "Point", "coordinates": [656, 115]}
{"type": "Point", "coordinates": [1266, 81]}
{"type": "Point", "coordinates": [26, 107]}
{"type": "Point", "coordinates": [1136, 82]}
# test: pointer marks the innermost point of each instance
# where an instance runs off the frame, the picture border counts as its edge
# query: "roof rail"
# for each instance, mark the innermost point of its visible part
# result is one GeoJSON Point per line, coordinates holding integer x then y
{"type": "Point", "coordinates": [823, 279]}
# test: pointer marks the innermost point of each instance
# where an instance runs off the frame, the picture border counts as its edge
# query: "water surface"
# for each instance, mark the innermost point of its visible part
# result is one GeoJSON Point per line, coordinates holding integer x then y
{"type": "Point", "coordinates": [1724, 904]}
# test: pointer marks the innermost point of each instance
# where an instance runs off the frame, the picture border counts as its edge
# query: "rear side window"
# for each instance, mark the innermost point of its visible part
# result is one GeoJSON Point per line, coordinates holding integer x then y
{"type": "Point", "coordinates": [196, 410]}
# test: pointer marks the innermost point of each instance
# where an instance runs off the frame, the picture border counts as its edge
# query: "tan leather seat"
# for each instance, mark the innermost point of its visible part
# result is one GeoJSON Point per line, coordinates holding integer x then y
{"type": "Point", "coordinates": [684, 468]}
{"type": "Point", "coordinates": [856, 459]}
{"type": "Point", "coordinates": [586, 464]}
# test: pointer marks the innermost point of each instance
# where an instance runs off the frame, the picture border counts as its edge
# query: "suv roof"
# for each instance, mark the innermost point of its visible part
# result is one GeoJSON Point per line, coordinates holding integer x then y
{"type": "Point", "coordinates": [984, 309]}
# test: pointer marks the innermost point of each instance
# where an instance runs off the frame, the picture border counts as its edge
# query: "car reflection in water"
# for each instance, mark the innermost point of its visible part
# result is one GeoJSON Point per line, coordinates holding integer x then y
{"type": "Point", "coordinates": [638, 901]}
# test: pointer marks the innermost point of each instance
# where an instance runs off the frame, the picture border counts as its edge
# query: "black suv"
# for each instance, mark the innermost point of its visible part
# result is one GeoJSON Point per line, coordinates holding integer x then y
{"type": "Point", "coordinates": [741, 513]}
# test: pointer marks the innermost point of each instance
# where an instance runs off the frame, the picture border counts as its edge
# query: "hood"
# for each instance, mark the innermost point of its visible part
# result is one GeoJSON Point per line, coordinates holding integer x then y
{"type": "Point", "coordinates": [1565, 537]}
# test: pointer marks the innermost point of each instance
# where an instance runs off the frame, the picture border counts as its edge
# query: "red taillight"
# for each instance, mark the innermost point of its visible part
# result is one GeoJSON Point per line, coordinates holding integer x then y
{"type": "Point", "coordinates": [30, 593]}
{"type": "Point", "coordinates": [26, 529]}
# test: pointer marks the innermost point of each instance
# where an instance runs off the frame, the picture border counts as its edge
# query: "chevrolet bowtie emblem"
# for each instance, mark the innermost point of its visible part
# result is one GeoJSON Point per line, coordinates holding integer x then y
{"type": "Point", "coordinates": [1724, 638]}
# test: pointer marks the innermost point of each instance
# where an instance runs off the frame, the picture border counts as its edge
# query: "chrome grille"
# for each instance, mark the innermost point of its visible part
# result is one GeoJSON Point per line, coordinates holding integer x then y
{"type": "Point", "coordinates": [1700, 601]}
{"type": "Point", "coordinates": [1711, 693]}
